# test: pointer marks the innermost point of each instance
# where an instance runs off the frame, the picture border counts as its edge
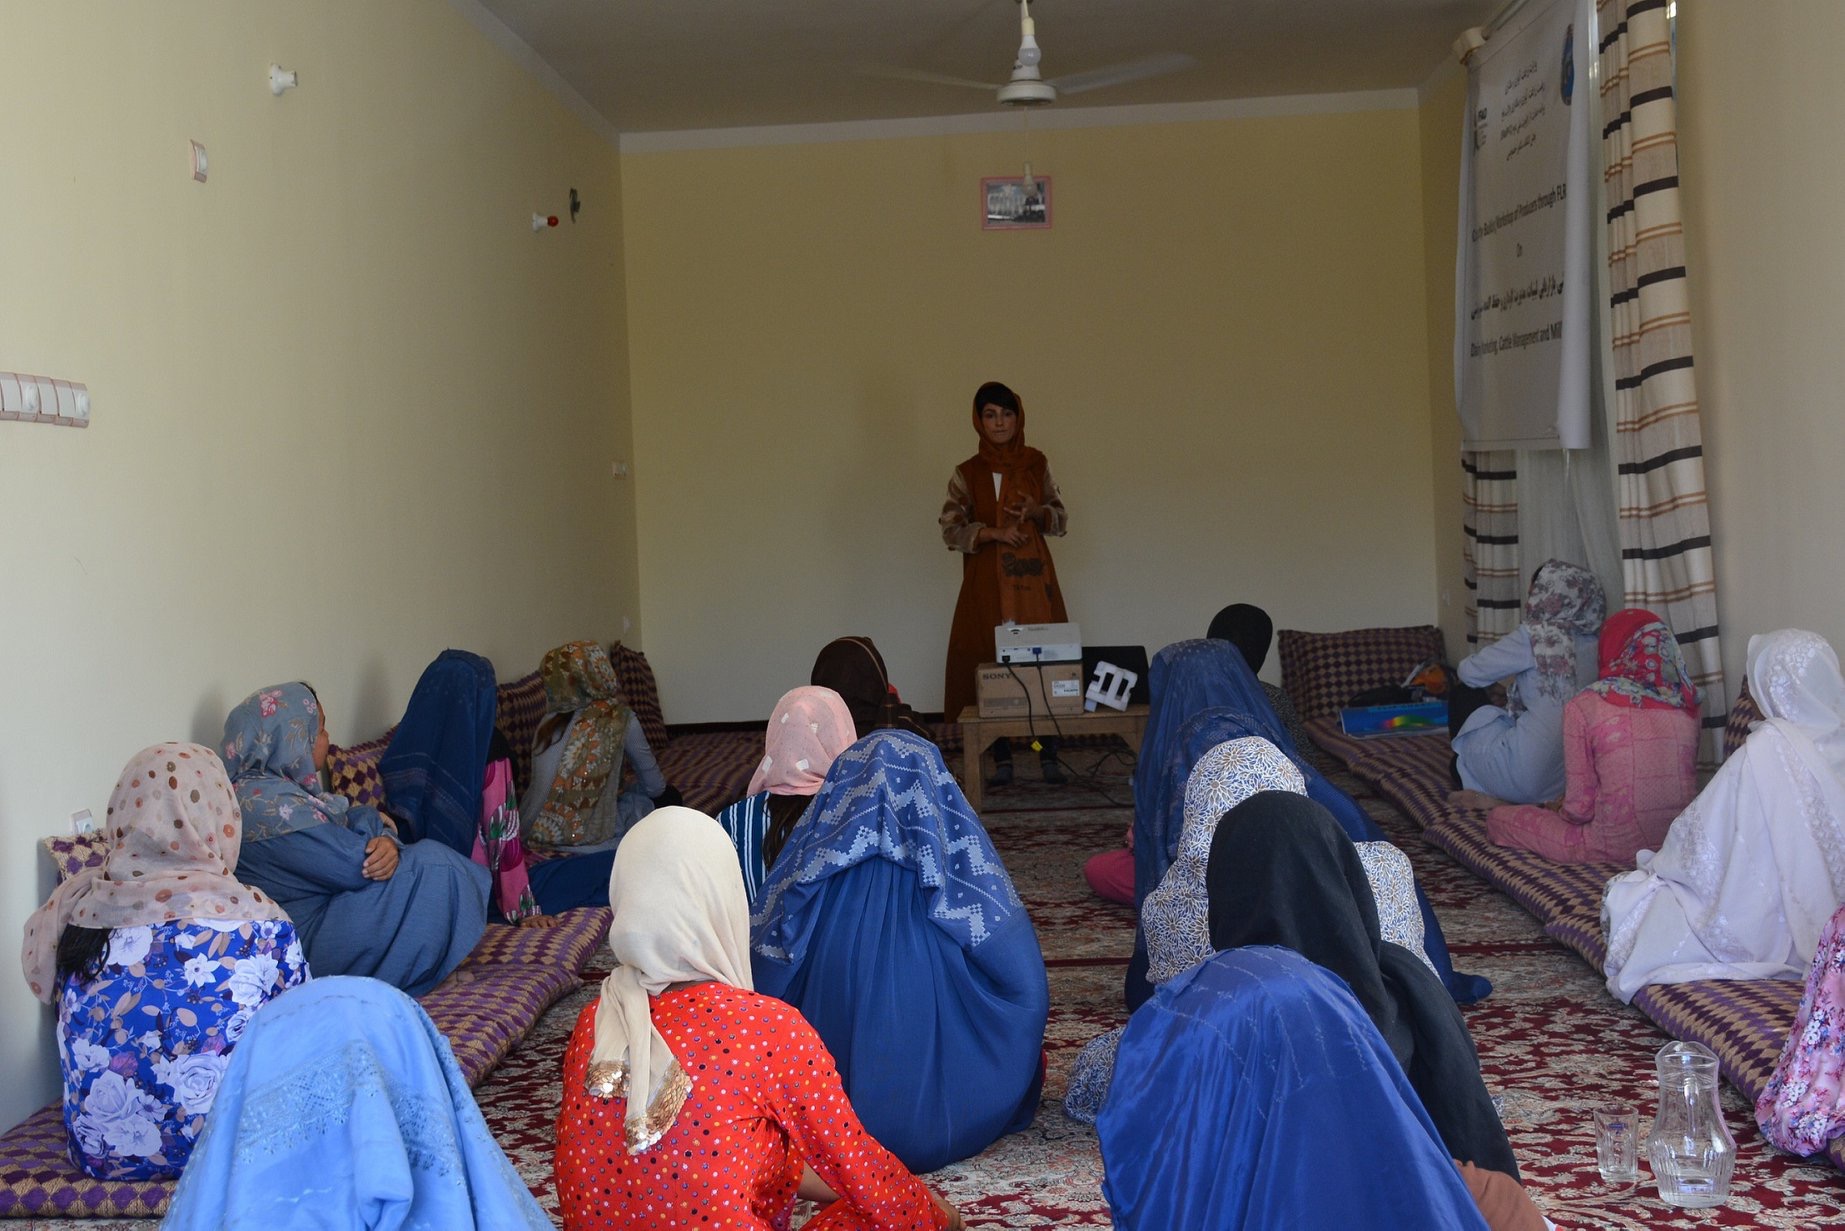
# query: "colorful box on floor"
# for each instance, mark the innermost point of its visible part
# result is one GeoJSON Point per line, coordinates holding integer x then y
{"type": "Point", "coordinates": [1408, 719]}
{"type": "Point", "coordinates": [1020, 690]}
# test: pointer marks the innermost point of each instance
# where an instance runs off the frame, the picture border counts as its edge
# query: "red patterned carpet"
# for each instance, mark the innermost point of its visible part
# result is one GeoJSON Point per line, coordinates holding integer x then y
{"type": "Point", "coordinates": [1551, 1042]}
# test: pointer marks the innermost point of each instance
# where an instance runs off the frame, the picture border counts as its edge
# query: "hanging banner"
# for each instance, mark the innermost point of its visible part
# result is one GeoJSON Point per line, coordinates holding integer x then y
{"type": "Point", "coordinates": [1524, 306]}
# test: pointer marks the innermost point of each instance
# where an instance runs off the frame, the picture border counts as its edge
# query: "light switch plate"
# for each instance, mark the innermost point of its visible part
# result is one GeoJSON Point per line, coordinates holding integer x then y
{"type": "Point", "coordinates": [199, 167]}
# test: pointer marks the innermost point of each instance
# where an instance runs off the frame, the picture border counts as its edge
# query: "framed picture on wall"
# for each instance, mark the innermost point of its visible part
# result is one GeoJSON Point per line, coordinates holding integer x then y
{"type": "Point", "coordinates": [1011, 203]}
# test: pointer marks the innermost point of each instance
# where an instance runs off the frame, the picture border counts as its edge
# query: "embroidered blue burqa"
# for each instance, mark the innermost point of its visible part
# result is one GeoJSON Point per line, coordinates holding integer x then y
{"type": "Point", "coordinates": [438, 756]}
{"type": "Point", "coordinates": [891, 924]}
{"type": "Point", "coordinates": [343, 1107]}
{"type": "Point", "coordinates": [1252, 1092]}
{"type": "Point", "coordinates": [1204, 693]}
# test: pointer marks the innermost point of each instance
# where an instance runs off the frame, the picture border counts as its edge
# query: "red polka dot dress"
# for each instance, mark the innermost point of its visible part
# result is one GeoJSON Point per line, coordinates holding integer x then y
{"type": "Point", "coordinates": [765, 1098]}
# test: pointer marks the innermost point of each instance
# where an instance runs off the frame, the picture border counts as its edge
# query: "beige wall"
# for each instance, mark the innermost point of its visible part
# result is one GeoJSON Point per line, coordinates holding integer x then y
{"type": "Point", "coordinates": [348, 409]}
{"type": "Point", "coordinates": [1221, 346]}
{"type": "Point", "coordinates": [1761, 96]}
{"type": "Point", "coordinates": [1444, 102]}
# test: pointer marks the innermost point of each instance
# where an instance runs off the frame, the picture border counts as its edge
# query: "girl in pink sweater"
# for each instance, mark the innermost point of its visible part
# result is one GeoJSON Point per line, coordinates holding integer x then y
{"type": "Point", "coordinates": [1630, 744]}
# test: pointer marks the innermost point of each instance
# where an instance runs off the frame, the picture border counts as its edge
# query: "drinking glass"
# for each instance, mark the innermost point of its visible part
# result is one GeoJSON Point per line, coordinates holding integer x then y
{"type": "Point", "coordinates": [1617, 1143]}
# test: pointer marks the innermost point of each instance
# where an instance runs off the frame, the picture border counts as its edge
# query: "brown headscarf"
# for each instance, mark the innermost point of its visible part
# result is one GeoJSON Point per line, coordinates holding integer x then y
{"type": "Point", "coordinates": [174, 831]}
{"type": "Point", "coordinates": [853, 668]}
{"type": "Point", "coordinates": [579, 679]}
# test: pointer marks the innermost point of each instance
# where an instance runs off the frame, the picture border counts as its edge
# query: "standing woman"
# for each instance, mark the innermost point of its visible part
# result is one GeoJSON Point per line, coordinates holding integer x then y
{"type": "Point", "coordinates": [1002, 504]}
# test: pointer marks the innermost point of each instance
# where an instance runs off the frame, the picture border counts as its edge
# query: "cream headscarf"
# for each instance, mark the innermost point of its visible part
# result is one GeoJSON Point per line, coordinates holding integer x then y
{"type": "Point", "coordinates": [174, 832]}
{"type": "Point", "coordinates": [681, 915]}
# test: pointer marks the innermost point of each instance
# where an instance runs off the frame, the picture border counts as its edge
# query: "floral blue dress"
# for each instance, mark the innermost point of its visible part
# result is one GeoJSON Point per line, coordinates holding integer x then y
{"type": "Point", "coordinates": [144, 1043]}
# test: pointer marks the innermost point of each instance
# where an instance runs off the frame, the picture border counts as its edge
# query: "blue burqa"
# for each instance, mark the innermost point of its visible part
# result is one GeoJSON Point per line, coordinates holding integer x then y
{"type": "Point", "coordinates": [343, 1107]}
{"type": "Point", "coordinates": [891, 924]}
{"type": "Point", "coordinates": [1252, 1092]}
{"type": "Point", "coordinates": [1203, 693]}
{"type": "Point", "coordinates": [437, 759]}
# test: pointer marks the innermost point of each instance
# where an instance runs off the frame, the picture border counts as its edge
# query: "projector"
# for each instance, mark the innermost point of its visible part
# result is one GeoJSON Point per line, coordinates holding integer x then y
{"type": "Point", "coordinates": [1038, 643]}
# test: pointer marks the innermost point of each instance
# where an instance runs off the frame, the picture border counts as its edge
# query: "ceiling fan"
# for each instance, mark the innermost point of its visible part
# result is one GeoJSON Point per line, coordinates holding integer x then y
{"type": "Point", "coordinates": [1027, 87]}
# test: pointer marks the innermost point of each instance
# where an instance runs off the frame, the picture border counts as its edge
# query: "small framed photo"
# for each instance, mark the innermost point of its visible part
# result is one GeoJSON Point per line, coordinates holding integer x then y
{"type": "Point", "coordinates": [1011, 203]}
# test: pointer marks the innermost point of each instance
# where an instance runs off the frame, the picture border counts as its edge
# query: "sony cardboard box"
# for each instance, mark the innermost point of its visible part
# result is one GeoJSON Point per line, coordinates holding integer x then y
{"type": "Point", "coordinates": [1018, 690]}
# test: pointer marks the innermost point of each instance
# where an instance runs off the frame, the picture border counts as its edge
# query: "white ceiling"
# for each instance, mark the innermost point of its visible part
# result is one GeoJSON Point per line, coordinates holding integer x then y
{"type": "Point", "coordinates": [668, 65]}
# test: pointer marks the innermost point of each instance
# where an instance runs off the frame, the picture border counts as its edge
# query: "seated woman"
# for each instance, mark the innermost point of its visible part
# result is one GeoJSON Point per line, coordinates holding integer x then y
{"type": "Point", "coordinates": [1802, 1109]}
{"type": "Point", "coordinates": [809, 728]}
{"type": "Point", "coordinates": [1251, 631]}
{"type": "Point", "coordinates": [689, 1100]}
{"type": "Point", "coordinates": [364, 901]}
{"type": "Point", "coordinates": [853, 668]}
{"type": "Point", "coordinates": [1750, 871]}
{"type": "Point", "coordinates": [1232, 1083]}
{"type": "Point", "coordinates": [157, 960]}
{"type": "Point", "coordinates": [344, 1108]}
{"type": "Point", "coordinates": [1630, 754]}
{"type": "Point", "coordinates": [890, 923]}
{"type": "Point", "coordinates": [448, 777]}
{"type": "Point", "coordinates": [1514, 752]}
{"type": "Point", "coordinates": [576, 797]}
{"type": "Point", "coordinates": [1175, 919]}
{"type": "Point", "coordinates": [1282, 873]}
{"type": "Point", "coordinates": [1188, 678]}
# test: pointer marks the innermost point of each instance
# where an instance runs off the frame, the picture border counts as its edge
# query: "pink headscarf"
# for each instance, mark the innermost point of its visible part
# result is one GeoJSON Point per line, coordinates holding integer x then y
{"type": "Point", "coordinates": [810, 726]}
{"type": "Point", "coordinates": [174, 830]}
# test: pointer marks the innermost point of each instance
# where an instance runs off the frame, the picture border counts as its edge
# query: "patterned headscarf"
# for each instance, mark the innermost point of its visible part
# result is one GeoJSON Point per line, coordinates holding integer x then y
{"type": "Point", "coordinates": [269, 754]}
{"type": "Point", "coordinates": [681, 915]}
{"type": "Point", "coordinates": [1647, 671]}
{"type": "Point", "coordinates": [1176, 916]}
{"type": "Point", "coordinates": [174, 833]}
{"type": "Point", "coordinates": [1565, 602]}
{"type": "Point", "coordinates": [580, 679]}
{"type": "Point", "coordinates": [889, 796]}
{"type": "Point", "coordinates": [808, 730]}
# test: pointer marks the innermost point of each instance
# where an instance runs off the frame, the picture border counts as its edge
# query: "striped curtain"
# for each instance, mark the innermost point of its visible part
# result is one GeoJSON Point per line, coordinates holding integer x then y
{"type": "Point", "coordinates": [1667, 563]}
{"type": "Point", "coordinates": [1489, 518]}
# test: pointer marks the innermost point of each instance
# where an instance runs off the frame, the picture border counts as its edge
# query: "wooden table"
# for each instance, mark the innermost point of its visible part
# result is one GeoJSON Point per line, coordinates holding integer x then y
{"type": "Point", "coordinates": [978, 734]}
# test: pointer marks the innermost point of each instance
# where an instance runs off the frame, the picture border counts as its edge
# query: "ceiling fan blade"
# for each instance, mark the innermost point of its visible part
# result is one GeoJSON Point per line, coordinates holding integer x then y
{"type": "Point", "coordinates": [892, 72]}
{"type": "Point", "coordinates": [1121, 74]}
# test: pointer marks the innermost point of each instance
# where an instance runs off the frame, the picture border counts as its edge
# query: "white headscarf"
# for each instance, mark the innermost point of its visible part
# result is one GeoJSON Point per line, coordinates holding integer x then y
{"type": "Point", "coordinates": [681, 915]}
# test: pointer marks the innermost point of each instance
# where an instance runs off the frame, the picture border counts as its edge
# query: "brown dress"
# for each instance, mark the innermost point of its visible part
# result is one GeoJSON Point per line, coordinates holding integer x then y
{"type": "Point", "coordinates": [998, 583]}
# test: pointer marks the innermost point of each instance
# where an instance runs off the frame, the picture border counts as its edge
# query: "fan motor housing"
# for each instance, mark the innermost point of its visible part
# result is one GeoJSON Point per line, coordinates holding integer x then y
{"type": "Point", "coordinates": [1027, 93]}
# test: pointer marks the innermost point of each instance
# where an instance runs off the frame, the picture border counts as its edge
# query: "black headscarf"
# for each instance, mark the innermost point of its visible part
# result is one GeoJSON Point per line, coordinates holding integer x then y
{"type": "Point", "coordinates": [853, 668]}
{"type": "Point", "coordinates": [1282, 872]}
{"type": "Point", "coordinates": [1246, 627]}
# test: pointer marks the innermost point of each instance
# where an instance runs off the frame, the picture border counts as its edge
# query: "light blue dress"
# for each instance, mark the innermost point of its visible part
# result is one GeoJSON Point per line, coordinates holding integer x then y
{"type": "Point", "coordinates": [343, 1108]}
{"type": "Point", "coordinates": [1517, 757]}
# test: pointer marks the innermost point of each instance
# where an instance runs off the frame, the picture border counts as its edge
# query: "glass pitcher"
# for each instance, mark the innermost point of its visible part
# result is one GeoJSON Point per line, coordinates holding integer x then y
{"type": "Point", "coordinates": [1690, 1147]}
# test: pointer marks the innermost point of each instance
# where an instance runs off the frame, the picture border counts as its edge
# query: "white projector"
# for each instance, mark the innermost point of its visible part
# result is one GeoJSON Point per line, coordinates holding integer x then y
{"type": "Point", "coordinates": [1038, 643]}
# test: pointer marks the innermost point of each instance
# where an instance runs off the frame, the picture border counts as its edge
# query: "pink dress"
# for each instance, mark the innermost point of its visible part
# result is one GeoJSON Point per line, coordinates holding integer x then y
{"type": "Point", "coordinates": [1803, 1108]}
{"type": "Point", "coordinates": [1628, 772]}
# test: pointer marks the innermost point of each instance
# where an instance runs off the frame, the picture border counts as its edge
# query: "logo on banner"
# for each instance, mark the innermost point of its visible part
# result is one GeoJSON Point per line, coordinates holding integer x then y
{"type": "Point", "coordinates": [1480, 128]}
{"type": "Point", "coordinates": [1569, 64]}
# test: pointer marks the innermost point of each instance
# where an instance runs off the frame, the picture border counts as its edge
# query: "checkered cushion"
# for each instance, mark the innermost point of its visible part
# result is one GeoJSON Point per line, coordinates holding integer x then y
{"type": "Point", "coordinates": [1743, 715]}
{"type": "Point", "coordinates": [71, 855]}
{"type": "Point", "coordinates": [1322, 671]}
{"type": "Point", "coordinates": [353, 772]}
{"type": "Point", "coordinates": [712, 768]}
{"type": "Point", "coordinates": [521, 707]}
{"type": "Point", "coordinates": [1548, 890]}
{"type": "Point", "coordinates": [1745, 1022]}
{"type": "Point", "coordinates": [565, 947]}
{"type": "Point", "coordinates": [642, 694]}
{"type": "Point", "coordinates": [1581, 930]}
{"type": "Point", "coordinates": [38, 1180]}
